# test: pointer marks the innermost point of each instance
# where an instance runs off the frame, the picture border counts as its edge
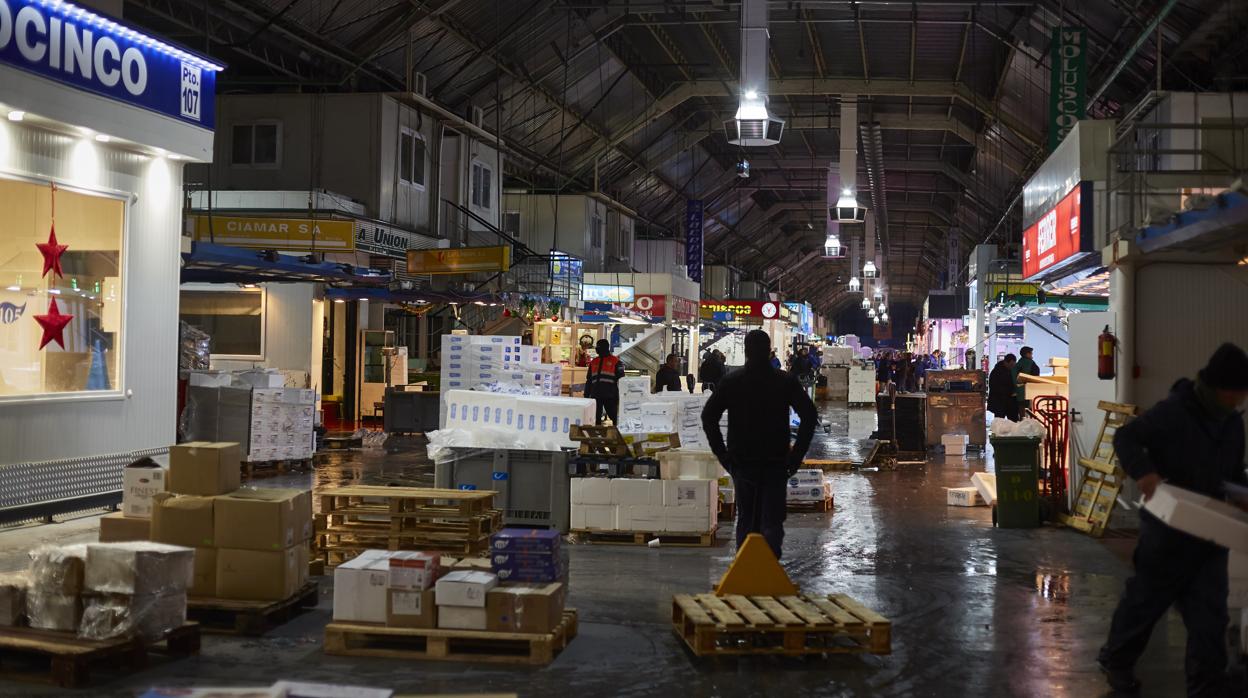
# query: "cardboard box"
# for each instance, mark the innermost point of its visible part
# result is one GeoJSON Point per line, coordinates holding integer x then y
{"type": "Point", "coordinates": [184, 520]}
{"type": "Point", "coordinates": [591, 490]}
{"type": "Point", "coordinates": [525, 608]}
{"type": "Point", "coordinates": [204, 468]}
{"type": "Point", "coordinates": [1200, 516]}
{"type": "Point", "coordinates": [476, 564]}
{"type": "Point", "coordinates": [360, 587]}
{"type": "Point", "coordinates": [413, 571]}
{"type": "Point", "coordinates": [140, 481]}
{"type": "Point", "coordinates": [13, 589]}
{"type": "Point", "coordinates": [204, 574]}
{"type": "Point", "coordinates": [138, 568]}
{"type": "Point", "coordinates": [464, 588]}
{"type": "Point", "coordinates": [58, 569]}
{"type": "Point", "coordinates": [117, 527]}
{"type": "Point", "coordinates": [526, 540]}
{"type": "Point", "coordinates": [532, 575]}
{"type": "Point", "coordinates": [963, 497]}
{"type": "Point", "coordinates": [263, 519]}
{"type": "Point", "coordinates": [411, 609]}
{"type": "Point", "coordinates": [54, 611]}
{"type": "Point", "coordinates": [256, 575]}
{"type": "Point", "coordinates": [595, 517]}
{"type": "Point", "coordinates": [463, 617]}
{"type": "Point", "coordinates": [148, 616]}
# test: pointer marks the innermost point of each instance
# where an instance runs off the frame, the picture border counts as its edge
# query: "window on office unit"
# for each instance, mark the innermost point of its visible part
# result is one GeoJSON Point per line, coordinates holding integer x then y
{"type": "Point", "coordinates": [412, 158]}
{"type": "Point", "coordinates": [234, 319]}
{"type": "Point", "coordinates": [256, 144]}
{"type": "Point", "coordinates": [481, 176]}
{"type": "Point", "coordinates": [595, 233]}
{"type": "Point", "coordinates": [83, 353]}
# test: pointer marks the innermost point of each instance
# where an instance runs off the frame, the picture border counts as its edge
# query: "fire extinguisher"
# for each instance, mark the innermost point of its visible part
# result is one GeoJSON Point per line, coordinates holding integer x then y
{"type": "Point", "coordinates": [1105, 345]}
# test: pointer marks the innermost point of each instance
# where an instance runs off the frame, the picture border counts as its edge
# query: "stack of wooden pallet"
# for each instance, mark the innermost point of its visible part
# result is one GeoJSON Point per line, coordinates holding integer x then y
{"type": "Point", "coordinates": [357, 518]}
{"type": "Point", "coordinates": [788, 625]}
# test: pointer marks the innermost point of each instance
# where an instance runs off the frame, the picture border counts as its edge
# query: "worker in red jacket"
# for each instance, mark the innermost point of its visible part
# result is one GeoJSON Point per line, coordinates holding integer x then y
{"type": "Point", "coordinates": [603, 382]}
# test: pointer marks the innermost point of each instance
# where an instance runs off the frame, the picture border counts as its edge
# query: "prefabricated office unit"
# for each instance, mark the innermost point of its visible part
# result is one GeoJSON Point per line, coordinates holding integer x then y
{"type": "Point", "coordinates": [583, 225]}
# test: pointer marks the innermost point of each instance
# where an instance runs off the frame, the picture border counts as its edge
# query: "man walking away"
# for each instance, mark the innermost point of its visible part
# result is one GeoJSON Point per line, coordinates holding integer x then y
{"type": "Point", "coordinates": [1192, 439]}
{"type": "Point", "coordinates": [710, 371]}
{"type": "Point", "coordinates": [668, 376]}
{"type": "Point", "coordinates": [758, 455]}
{"type": "Point", "coordinates": [1025, 365]}
{"type": "Point", "coordinates": [1001, 391]}
{"type": "Point", "coordinates": [603, 381]}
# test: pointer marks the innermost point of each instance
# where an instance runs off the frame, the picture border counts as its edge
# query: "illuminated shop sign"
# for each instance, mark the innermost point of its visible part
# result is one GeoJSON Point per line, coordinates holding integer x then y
{"type": "Point", "coordinates": [1061, 236]}
{"type": "Point", "coordinates": [72, 45]}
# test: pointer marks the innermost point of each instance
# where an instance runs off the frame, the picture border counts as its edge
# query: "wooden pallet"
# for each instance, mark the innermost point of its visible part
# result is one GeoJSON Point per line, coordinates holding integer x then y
{"type": "Point", "coordinates": [830, 465]}
{"type": "Point", "coordinates": [370, 640]}
{"type": "Point", "coordinates": [786, 625]}
{"type": "Point", "coordinates": [341, 443]}
{"type": "Point", "coordinates": [599, 441]}
{"type": "Point", "coordinates": [28, 654]}
{"type": "Point", "coordinates": [681, 540]}
{"type": "Point", "coordinates": [253, 618]}
{"type": "Point", "coordinates": [260, 469]}
{"type": "Point", "coordinates": [819, 507]}
{"type": "Point", "coordinates": [1102, 477]}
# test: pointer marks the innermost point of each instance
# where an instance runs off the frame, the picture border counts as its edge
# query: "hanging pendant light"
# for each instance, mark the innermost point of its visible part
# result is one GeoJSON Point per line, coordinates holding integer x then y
{"type": "Point", "coordinates": [870, 312]}
{"type": "Point", "coordinates": [883, 308]}
{"type": "Point", "coordinates": [884, 317]}
{"type": "Point", "coordinates": [868, 270]}
{"type": "Point", "coordinates": [876, 319]}
{"type": "Point", "coordinates": [866, 303]}
{"type": "Point", "coordinates": [854, 285]}
{"type": "Point", "coordinates": [832, 246]}
{"type": "Point", "coordinates": [878, 294]}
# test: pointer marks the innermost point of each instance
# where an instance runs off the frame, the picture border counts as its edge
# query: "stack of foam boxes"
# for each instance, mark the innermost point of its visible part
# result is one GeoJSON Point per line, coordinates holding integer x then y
{"type": "Point", "coordinates": [534, 421]}
{"type": "Point", "coordinates": [678, 412]}
{"type": "Point", "coordinates": [496, 363]}
{"type": "Point", "coordinates": [808, 485]}
{"type": "Point", "coordinates": [646, 506]}
{"type": "Point", "coordinates": [282, 421]}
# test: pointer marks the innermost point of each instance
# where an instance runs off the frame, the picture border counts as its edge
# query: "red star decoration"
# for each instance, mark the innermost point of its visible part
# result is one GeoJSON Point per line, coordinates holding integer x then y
{"type": "Point", "coordinates": [51, 253]}
{"type": "Point", "coordinates": [53, 325]}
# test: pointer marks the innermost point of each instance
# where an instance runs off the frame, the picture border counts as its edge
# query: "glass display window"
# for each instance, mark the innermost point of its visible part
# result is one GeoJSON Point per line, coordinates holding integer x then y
{"type": "Point", "coordinates": [61, 290]}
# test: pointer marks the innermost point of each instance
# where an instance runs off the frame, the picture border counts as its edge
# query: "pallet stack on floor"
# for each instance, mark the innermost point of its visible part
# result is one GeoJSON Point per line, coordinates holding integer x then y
{"type": "Point", "coordinates": [358, 518]}
{"type": "Point", "coordinates": [420, 605]}
{"type": "Point", "coordinates": [809, 490]}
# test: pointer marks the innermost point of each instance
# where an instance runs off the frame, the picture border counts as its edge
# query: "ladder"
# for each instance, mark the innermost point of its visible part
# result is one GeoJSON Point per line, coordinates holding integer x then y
{"type": "Point", "coordinates": [1102, 477]}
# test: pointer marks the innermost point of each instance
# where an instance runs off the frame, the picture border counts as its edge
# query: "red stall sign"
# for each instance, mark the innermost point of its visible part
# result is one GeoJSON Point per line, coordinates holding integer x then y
{"type": "Point", "coordinates": [1061, 234]}
{"type": "Point", "coordinates": [654, 306]}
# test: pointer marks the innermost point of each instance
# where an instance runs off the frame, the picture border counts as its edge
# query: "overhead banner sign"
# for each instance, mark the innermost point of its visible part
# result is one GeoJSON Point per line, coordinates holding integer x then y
{"type": "Point", "coordinates": [389, 241]}
{"type": "Point", "coordinates": [693, 239]}
{"type": "Point", "coordinates": [289, 234]}
{"type": "Point", "coordinates": [1061, 236]}
{"type": "Point", "coordinates": [759, 310]}
{"type": "Point", "coordinates": [459, 260]}
{"type": "Point", "coordinates": [608, 293]}
{"type": "Point", "coordinates": [684, 309]}
{"type": "Point", "coordinates": [650, 305]}
{"type": "Point", "coordinates": [1068, 88]}
{"type": "Point", "coordinates": [72, 45]}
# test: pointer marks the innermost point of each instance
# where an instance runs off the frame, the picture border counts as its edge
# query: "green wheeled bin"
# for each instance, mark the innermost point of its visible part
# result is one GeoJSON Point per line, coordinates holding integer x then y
{"type": "Point", "coordinates": [1018, 481]}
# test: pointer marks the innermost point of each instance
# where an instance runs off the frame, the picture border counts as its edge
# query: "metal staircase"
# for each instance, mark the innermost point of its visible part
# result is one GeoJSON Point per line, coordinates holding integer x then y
{"type": "Point", "coordinates": [643, 351]}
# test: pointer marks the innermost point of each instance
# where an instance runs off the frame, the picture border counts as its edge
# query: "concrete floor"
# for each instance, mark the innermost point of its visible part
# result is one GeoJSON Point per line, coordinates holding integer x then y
{"type": "Point", "coordinates": [975, 610]}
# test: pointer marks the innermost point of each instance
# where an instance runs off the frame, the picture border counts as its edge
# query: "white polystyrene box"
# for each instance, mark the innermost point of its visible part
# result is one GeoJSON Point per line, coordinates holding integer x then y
{"type": "Point", "coordinates": [595, 517]}
{"type": "Point", "coordinates": [963, 497]}
{"type": "Point", "coordinates": [630, 492]}
{"type": "Point", "coordinates": [648, 519]}
{"type": "Point", "coordinates": [986, 485]}
{"type": "Point", "coordinates": [955, 444]}
{"type": "Point", "coordinates": [1200, 516]}
{"type": "Point", "coordinates": [591, 490]}
{"type": "Point", "coordinates": [690, 493]}
{"type": "Point", "coordinates": [658, 417]}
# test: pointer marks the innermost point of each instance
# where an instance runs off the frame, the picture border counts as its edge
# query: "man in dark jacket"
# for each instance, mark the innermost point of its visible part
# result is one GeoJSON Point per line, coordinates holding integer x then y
{"type": "Point", "coordinates": [758, 455]}
{"type": "Point", "coordinates": [602, 382]}
{"type": "Point", "coordinates": [1001, 392]}
{"type": "Point", "coordinates": [668, 376]}
{"type": "Point", "coordinates": [711, 370]}
{"type": "Point", "coordinates": [1193, 439]}
{"type": "Point", "coordinates": [1027, 365]}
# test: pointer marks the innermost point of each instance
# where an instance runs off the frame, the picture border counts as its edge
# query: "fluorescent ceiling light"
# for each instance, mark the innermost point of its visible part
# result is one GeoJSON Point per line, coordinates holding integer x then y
{"type": "Point", "coordinates": [17, 115]}
{"type": "Point", "coordinates": [103, 137]}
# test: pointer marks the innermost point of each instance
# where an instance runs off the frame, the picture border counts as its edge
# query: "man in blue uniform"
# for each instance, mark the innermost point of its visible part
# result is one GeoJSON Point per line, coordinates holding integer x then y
{"type": "Point", "coordinates": [1193, 439]}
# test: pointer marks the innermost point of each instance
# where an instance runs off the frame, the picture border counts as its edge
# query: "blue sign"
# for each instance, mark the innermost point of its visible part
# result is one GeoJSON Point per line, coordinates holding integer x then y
{"type": "Point", "coordinates": [723, 316]}
{"type": "Point", "coordinates": [77, 47]}
{"type": "Point", "coordinates": [693, 239]}
{"type": "Point", "coordinates": [467, 488]}
{"type": "Point", "coordinates": [499, 476]}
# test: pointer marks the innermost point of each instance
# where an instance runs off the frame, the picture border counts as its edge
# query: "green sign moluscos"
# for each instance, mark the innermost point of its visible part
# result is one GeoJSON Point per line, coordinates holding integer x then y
{"type": "Point", "coordinates": [1068, 93]}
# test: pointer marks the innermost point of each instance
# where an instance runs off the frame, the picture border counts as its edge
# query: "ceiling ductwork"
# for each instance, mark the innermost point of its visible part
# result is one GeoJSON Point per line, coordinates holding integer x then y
{"type": "Point", "coordinates": [753, 125]}
{"type": "Point", "coordinates": [847, 209]}
{"type": "Point", "coordinates": [873, 157]}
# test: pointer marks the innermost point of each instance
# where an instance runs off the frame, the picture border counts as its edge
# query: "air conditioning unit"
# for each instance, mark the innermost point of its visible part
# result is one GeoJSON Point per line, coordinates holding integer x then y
{"type": "Point", "coordinates": [754, 132]}
{"type": "Point", "coordinates": [848, 214]}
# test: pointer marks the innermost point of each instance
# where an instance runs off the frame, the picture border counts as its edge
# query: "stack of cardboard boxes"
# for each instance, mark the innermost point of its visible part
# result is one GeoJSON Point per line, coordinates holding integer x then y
{"type": "Point", "coordinates": [250, 544]}
{"type": "Point", "coordinates": [141, 481]}
{"type": "Point", "coordinates": [282, 424]}
{"type": "Point", "coordinates": [808, 485]}
{"type": "Point", "coordinates": [645, 506]}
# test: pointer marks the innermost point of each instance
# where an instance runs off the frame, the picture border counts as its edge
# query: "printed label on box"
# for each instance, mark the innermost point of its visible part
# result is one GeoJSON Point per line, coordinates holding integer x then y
{"type": "Point", "coordinates": [406, 603]}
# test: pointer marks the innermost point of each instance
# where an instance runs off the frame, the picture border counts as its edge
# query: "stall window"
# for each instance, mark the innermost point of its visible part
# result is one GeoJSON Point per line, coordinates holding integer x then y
{"type": "Point", "coordinates": [256, 145]}
{"type": "Point", "coordinates": [511, 223]}
{"type": "Point", "coordinates": [233, 318]}
{"type": "Point", "coordinates": [595, 233]}
{"type": "Point", "coordinates": [83, 345]}
{"type": "Point", "coordinates": [481, 176]}
{"type": "Point", "coordinates": [412, 158]}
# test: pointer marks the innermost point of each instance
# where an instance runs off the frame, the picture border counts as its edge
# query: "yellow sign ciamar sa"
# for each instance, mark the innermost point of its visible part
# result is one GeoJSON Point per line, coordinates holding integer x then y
{"type": "Point", "coordinates": [459, 260]}
{"type": "Point", "coordinates": [296, 234]}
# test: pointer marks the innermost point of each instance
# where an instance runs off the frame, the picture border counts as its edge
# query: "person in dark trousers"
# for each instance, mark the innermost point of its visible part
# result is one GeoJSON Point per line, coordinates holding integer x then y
{"type": "Point", "coordinates": [668, 375]}
{"type": "Point", "coordinates": [711, 370]}
{"type": "Point", "coordinates": [1192, 439]}
{"type": "Point", "coordinates": [603, 381]}
{"type": "Point", "coordinates": [758, 454]}
{"type": "Point", "coordinates": [1025, 365]}
{"type": "Point", "coordinates": [1001, 391]}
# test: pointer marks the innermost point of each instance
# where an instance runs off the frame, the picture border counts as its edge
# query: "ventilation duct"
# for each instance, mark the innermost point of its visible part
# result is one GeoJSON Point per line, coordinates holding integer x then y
{"type": "Point", "coordinates": [873, 157]}
{"type": "Point", "coordinates": [753, 125]}
{"type": "Point", "coordinates": [846, 209]}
